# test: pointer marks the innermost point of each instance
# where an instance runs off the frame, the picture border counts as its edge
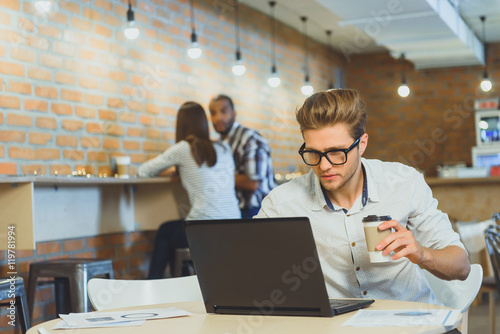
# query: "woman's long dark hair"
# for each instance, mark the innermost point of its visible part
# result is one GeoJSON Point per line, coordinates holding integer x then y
{"type": "Point", "coordinates": [192, 126]}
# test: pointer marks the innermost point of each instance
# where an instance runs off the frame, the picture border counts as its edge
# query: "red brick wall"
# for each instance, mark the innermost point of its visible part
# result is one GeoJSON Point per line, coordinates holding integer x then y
{"type": "Point", "coordinates": [432, 126]}
{"type": "Point", "coordinates": [74, 92]}
{"type": "Point", "coordinates": [129, 251]}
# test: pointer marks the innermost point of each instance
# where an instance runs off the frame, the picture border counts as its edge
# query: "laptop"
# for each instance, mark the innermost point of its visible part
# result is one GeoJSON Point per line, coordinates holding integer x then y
{"type": "Point", "coordinates": [262, 266]}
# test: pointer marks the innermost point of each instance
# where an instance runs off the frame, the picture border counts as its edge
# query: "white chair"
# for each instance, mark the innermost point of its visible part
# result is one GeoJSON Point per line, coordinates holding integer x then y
{"type": "Point", "coordinates": [107, 294]}
{"type": "Point", "coordinates": [457, 294]}
{"type": "Point", "coordinates": [472, 235]}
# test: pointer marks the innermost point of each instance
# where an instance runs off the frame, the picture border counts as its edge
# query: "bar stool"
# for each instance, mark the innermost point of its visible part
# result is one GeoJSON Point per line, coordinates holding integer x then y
{"type": "Point", "coordinates": [183, 259]}
{"type": "Point", "coordinates": [70, 279]}
{"type": "Point", "coordinates": [7, 291]}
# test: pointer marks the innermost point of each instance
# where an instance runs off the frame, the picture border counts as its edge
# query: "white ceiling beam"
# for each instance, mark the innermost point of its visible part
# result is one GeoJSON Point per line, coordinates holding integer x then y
{"type": "Point", "coordinates": [392, 17]}
{"type": "Point", "coordinates": [450, 15]}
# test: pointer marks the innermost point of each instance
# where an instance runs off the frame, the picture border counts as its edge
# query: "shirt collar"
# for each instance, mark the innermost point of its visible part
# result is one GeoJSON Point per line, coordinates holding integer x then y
{"type": "Point", "coordinates": [322, 198]}
{"type": "Point", "coordinates": [370, 181]}
{"type": "Point", "coordinates": [231, 132]}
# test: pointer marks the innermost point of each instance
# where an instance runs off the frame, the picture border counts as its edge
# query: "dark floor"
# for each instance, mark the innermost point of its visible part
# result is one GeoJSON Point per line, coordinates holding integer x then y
{"type": "Point", "coordinates": [479, 317]}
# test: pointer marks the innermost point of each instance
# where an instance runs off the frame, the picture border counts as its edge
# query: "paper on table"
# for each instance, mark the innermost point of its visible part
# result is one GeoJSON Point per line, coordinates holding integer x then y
{"type": "Point", "coordinates": [119, 318]}
{"type": "Point", "coordinates": [63, 325]}
{"type": "Point", "coordinates": [413, 317]}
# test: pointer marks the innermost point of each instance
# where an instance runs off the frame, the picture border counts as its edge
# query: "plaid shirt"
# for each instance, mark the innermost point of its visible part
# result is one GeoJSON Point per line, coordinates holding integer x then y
{"type": "Point", "coordinates": [252, 156]}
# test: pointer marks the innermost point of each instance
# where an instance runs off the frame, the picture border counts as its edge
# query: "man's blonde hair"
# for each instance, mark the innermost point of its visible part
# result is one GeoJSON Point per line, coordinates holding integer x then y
{"type": "Point", "coordinates": [332, 107]}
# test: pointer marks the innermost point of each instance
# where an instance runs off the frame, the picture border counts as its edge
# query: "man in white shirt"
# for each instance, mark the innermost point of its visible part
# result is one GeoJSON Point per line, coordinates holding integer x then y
{"type": "Point", "coordinates": [343, 187]}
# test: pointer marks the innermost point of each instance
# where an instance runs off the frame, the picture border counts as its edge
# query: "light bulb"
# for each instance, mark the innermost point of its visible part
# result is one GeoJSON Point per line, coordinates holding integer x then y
{"type": "Point", "coordinates": [274, 81]}
{"type": "Point", "coordinates": [307, 89]}
{"type": "Point", "coordinates": [403, 90]}
{"type": "Point", "coordinates": [43, 6]}
{"type": "Point", "coordinates": [194, 51]}
{"type": "Point", "coordinates": [486, 85]}
{"type": "Point", "coordinates": [239, 69]}
{"type": "Point", "coordinates": [483, 125]}
{"type": "Point", "coordinates": [131, 32]}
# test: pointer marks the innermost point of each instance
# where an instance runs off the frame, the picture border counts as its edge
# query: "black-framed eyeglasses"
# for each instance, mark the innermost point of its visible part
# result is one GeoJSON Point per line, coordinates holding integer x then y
{"type": "Point", "coordinates": [335, 157]}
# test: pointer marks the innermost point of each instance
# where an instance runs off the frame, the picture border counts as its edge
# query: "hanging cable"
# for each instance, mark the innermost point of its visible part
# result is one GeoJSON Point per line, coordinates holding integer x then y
{"type": "Point", "coordinates": [238, 67]}
{"type": "Point", "coordinates": [194, 51]}
{"type": "Point", "coordinates": [486, 84]}
{"type": "Point", "coordinates": [274, 80]}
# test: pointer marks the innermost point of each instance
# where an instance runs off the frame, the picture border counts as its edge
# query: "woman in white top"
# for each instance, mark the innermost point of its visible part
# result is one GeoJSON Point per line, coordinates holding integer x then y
{"type": "Point", "coordinates": [206, 170]}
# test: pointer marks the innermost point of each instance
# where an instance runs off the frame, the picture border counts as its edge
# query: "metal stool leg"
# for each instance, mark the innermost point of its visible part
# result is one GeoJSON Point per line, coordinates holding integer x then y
{"type": "Point", "coordinates": [22, 307]}
{"type": "Point", "coordinates": [62, 295]}
{"type": "Point", "coordinates": [32, 283]}
{"type": "Point", "coordinates": [78, 291]}
{"type": "Point", "coordinates": [13, 287]}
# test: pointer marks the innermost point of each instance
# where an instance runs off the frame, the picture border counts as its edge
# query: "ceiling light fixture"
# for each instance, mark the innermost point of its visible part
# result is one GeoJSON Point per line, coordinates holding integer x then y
{"type": "Point", "coordinates": [194, 51]}
{"type": "Point", "coordinates": [131, 31]}
{"type": "Point", "coordinates": [238, 67]}
{"type": "Point", "coordinates": [43, 6]}
{"type": "Point", "coordinates": [331, 85]}
{"type": "Point", "coordinates": [486, 83]}
{"type": "Point", "coordinates": [274, 79]}
{"type": "Point", "coordinates": [307, 89]}
{"type": "Point", "coordinates": [403, 90]}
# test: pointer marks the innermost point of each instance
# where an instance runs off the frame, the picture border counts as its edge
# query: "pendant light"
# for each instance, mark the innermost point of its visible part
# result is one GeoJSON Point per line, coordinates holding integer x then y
{"type": "Point", "coordinates": [131, 32]}
{"type": "Point", "coordinates": [307, 89]}
{"type": "Point", "coordinates": [331, 85]}
{"type": "Point", "coordinates": [194, 51]}
{"type": "Point", "coordinates": [238, 67]}
{"type": "Point", "coordinates": [274, 79]}
{"type": "Point", "coordinates": [486, 83]}
{"type": "Point", "coordinates": [43, 6]}
{"type": "Point", "coordinates": [403, 90]}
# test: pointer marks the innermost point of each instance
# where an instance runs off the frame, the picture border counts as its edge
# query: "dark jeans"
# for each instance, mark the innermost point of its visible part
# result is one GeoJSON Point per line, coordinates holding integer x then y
{"type": "Point", "coordinates": [249, 213]}
{"type": "Point", "coordinates": [169, 237]}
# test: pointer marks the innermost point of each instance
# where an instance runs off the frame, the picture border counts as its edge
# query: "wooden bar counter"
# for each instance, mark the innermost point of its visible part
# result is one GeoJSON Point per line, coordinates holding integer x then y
{"type": "Point", "coordinates": [44, 208]}
{"type": "Point", "coordinates": [467, 199]}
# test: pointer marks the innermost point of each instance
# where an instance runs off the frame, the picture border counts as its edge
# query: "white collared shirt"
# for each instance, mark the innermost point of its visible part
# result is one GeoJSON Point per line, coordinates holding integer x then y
{"type": "Point", "coordinates": [393, 189]}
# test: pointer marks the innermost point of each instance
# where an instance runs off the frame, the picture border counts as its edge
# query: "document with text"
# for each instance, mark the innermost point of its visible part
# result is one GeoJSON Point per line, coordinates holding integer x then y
{"type": "Point", "coordinates": [116, 318]}
{"type": "Point", "coordinates": [409, 317]}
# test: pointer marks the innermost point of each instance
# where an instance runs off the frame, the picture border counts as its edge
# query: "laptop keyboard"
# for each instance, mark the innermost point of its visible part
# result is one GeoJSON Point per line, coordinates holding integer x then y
{"type": "Point", "coordinates": [340, 306]}
{"type": "Point", "coordinates": [334, 304]}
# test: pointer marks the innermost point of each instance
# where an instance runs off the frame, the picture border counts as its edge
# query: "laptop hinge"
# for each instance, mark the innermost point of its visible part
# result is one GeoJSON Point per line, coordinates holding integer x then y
{"type": "Point", "coordinates": [251, 310]}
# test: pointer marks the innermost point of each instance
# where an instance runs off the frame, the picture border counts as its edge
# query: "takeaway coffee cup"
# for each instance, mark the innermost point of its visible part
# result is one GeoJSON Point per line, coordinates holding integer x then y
{"type": "Point", "coordinates": [373, 236]}
{"type": "Point", "coordinates": [122, 164]}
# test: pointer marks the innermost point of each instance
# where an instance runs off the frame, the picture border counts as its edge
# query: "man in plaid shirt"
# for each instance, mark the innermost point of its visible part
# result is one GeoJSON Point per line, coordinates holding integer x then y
{"type": "Point", "coordinates": [252, 156]}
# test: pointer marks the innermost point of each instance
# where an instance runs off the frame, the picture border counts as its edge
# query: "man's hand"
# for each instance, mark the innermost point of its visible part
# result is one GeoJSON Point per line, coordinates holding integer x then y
{"type": "Point", "coordinates": [243, 182]}
{"type": "Point", "coordinates": [447, 263]}
{"type": "Point", "coordinates": [402, 242]}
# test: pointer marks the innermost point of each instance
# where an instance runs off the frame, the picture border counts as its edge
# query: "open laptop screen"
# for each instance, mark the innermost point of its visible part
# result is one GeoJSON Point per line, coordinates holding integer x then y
{"type": "Point", "coordinates": [258, 266]}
